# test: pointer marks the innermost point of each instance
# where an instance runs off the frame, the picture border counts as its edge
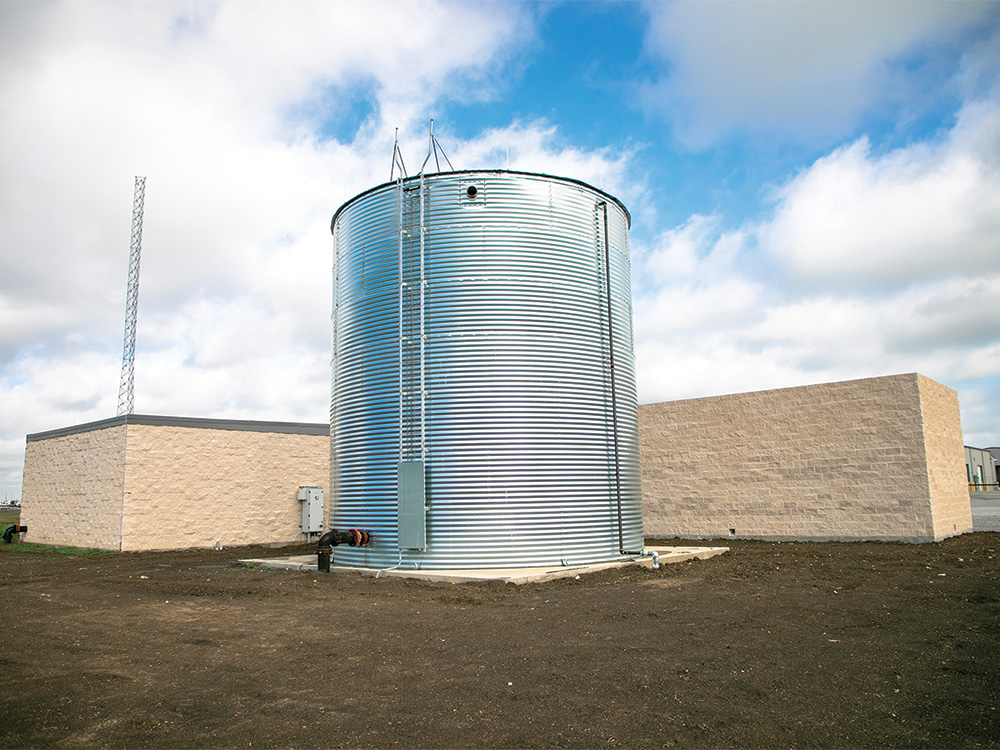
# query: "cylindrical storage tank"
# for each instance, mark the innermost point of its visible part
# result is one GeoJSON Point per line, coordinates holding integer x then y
{"type": "Point", "coordinates": [483, 409]}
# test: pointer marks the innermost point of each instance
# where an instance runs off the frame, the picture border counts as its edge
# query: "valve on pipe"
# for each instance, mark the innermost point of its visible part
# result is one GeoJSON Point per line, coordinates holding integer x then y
{"type": "Point", "coordinates": [333, 538]}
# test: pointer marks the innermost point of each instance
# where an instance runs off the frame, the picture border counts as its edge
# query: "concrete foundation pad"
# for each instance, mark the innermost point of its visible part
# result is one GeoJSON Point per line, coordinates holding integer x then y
{"type": "Point", "coordinates": [667, 555]}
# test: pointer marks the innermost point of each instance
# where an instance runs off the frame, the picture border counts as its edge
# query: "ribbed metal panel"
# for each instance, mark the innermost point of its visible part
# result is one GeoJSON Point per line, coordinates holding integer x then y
{"type": "Point", "coordinates": [489, 314]}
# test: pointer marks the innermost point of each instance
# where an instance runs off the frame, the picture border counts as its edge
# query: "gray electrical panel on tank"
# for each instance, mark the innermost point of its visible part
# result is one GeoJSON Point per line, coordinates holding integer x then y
{"type": "Point", "coordinates": [411, 508]}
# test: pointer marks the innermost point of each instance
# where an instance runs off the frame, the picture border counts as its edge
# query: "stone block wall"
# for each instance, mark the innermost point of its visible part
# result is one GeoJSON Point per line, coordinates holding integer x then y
{"type": "Point", "coordinates": [72, 489]}
{"type": "Point", "coordinates": [951, 509]}
{"type": "Point", "coordinates": [174, 483]}
{"type": "Point", "coordinates": [879, 458]}
{"type": "Point", "coordinates": [201, 487]}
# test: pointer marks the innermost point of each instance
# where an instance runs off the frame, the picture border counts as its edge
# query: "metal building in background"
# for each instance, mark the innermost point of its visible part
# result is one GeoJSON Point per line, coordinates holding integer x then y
{"type": "Point", "coordinates": [483, 407]}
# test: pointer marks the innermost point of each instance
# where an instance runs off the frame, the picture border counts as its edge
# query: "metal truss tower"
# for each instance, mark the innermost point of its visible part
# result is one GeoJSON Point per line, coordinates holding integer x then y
{"type": "Point", "coordinates": [126, 391]}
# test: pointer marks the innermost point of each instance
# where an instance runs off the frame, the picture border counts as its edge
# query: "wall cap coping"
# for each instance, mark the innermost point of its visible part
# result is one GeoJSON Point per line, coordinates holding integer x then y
{"type": "Point", "coordinates": [906, 376]}
{"type": "Point", "coordinates": [196, 423]}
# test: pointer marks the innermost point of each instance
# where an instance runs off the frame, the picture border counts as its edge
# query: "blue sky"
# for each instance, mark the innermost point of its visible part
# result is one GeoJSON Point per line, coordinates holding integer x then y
{"type": "Point", "coordinates": [815, 187]}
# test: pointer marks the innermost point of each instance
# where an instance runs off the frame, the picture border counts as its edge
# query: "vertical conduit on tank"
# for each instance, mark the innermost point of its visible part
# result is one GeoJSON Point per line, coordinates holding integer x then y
{"type": "Point", "coordinates": [611, 377]}
{"type": "Point", "coordinates": [500, 300]}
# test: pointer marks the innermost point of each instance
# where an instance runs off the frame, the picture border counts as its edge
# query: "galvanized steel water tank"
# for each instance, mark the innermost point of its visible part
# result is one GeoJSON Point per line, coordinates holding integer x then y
{"type": "Point", "coordinates": [483, 409]}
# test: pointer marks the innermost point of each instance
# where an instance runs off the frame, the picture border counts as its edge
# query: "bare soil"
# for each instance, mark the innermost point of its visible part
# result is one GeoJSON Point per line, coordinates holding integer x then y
{"type": "Point", "coordinates": [772, 645]}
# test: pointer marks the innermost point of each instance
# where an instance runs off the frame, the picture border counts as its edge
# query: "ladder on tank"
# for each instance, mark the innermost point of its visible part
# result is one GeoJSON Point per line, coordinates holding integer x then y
{"type": "Point", "coordinates": [412, 204]}
{"type": "Point", "coordinates": [411, 478]}
{"type": "Point", "coordinates": [412, 391]}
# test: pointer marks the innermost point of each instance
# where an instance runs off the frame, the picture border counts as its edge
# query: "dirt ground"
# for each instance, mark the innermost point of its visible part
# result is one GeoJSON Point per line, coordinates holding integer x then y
{"type": "Point", "coordinates": [771, 645]}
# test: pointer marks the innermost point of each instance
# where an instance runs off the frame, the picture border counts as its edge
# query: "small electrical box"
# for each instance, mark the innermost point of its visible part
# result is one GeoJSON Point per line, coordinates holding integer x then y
{"type": "Point", "coordinates": [312, 509]}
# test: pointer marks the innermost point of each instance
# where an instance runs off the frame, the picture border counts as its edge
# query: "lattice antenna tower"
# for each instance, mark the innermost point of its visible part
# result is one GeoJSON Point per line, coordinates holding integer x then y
{"type": "Point", "coordinates": [126, 391]}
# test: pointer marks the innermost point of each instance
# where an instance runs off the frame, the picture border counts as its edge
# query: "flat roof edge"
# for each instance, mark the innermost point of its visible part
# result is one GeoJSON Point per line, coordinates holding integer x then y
{"type": "Point", "coordinates": [196, 423]}
{"type": "Point", "coordinates": [898, 376]}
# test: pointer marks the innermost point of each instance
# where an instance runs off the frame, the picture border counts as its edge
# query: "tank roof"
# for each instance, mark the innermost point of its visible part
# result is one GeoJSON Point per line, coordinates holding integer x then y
{"type": "Point", "coordinates": [628, 216]}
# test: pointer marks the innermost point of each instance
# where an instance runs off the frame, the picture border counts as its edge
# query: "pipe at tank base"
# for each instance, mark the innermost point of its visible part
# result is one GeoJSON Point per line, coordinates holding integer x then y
{"type": "Point", "coordinates": [323, 560]}
{"type": "Point", "coordinates": [644, 553]}
{"type": "Point", "coordinates": [394, 567]}
{"type": "Point", "coordinates": [333, 538]}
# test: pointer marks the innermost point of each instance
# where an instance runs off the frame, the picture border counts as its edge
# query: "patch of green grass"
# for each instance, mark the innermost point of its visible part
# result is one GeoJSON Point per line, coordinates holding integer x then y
{"type": "Point", "coordinates": [29, 547]}
{"type": "Point", "coordinates": [10, 516]}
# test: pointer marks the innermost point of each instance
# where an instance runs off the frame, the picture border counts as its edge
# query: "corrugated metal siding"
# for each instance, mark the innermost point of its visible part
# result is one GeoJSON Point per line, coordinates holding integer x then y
{"type": "Point", "coordinates": [512, 355]}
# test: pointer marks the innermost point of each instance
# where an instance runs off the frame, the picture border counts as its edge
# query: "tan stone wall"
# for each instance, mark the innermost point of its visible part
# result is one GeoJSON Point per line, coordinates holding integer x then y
{"type": "Point", "coordinates": [834, 461]}
{"type": "Point", "coordinates": [950, 507]}
{"type": "Point", "coordinates": [194, 487]}
{"type": "Point", "coordinates": [72, 491]}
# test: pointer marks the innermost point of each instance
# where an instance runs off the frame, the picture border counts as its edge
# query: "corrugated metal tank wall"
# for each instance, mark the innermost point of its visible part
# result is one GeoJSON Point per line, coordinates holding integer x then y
{"type": "Point", "coordinates": [471, 334]}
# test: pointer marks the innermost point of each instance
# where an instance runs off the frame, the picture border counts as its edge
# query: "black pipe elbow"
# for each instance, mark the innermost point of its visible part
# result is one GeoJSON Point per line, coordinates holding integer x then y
{"type": "Point", "coordinates": [329, 539]}
{"type": "Point", "coordinates": [334, 538]}
{"type": "Point", "coordinates": [351, 537]}
{"type": "Point", "coordinates": [8, 535]}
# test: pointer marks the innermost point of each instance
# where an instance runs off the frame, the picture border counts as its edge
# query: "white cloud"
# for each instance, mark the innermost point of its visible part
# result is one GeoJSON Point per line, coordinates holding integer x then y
{"type": "Point", "coordinates": [960, 314]}
{"type": "Point", "coordinates": [729, 337]}
{"type": "Point", "coordinates": [803, 68]}
{"type": "Point", "coordinates": [979, 426]}
{"type": "Point", "coordinates": [870, 265]}
{"type": "Point", "coordinates": [40, 388]}
{"type": "Point", "coordinates": [245, 118]}
{"type": "Point", "coordinates": [224, 107]}
{"type": "Point", "coordinates": [917, 212]}
{"type": "Point", "coordinates": [689, 299]}
{"type": "Point", "coordinates": [695, 249]}
{"type": "Point", "coordinates": [536, 147]}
